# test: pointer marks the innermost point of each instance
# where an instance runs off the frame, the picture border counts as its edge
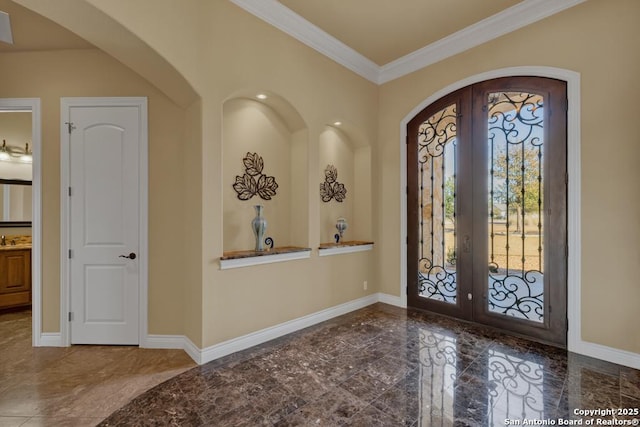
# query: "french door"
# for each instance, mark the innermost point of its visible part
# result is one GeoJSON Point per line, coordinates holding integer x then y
{"type": "Point", "coordinates": [486, 175]}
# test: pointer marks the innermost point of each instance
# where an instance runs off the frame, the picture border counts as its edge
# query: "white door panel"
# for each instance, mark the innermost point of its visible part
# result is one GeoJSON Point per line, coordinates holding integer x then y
{"type": "Point", "coordinates": [104, 224]}
{"type": "Point", "coordinates": [103, 185]}
{"type": "Point", "coordinates": [105, 294]}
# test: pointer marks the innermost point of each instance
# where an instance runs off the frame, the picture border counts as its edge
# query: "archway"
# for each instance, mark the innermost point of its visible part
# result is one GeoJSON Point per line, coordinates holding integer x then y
{"type": "Point", "coordinates": [574, 341]}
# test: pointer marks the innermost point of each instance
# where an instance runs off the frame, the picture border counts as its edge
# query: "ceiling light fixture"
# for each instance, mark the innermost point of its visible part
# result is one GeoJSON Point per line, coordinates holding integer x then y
{"type": "Point", "coordinates": [4, 153]}
{"type": "Point", "coordinates": [27, 157]}
{"type": "Point", "coordinates": [261, 96]}
{"type": "Point", "coordinates": [13, 154]}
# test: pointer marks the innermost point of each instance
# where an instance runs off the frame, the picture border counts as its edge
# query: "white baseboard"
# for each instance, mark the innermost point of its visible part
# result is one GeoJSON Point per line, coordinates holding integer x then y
{"type": "Point", "coordinates": [202, 356]}
{"type": "Point", "coordinates": [50, 339]}
{"type": "Point", "coordinates": [391, 300]}
{"type": "Point", "coordinates": [180, 342]}
{"type": "Point", "coordinates": [193, 351]}
{"type": "Point", "coordinates": [246, 341]}
{"type": "Point", "coordinates": [163, 341]}
{"type": "Point", "coordinates": [609, 354]}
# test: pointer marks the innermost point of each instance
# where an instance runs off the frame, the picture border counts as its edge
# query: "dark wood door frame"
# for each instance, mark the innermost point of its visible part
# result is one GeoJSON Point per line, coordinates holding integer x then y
{"type": "Point", "coordinates": [471, 133]}
{"type": "Point", "coordinates": [463, 307]}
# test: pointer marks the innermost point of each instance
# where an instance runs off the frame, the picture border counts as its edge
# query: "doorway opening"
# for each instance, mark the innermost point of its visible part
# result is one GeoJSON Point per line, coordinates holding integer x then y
{"type": "Point", "coordinates": [487, 206]}
{"type": "Point", "coordinates": [20, 216]}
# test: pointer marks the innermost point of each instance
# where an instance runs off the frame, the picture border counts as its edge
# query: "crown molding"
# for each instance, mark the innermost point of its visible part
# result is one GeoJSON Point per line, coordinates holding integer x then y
{"type": "Point", "coordinates": [505, 22]}
{"type": "Point", "coordinates": [511, 19]}
{"type": "Point", "coordinates": [283, 18]}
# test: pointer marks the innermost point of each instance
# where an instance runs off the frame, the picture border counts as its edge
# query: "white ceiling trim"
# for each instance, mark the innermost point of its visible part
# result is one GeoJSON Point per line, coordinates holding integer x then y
{"type": "Point", "coordinates": [283, 18]}
{"type": "Point", "coordinates": [511, 19]}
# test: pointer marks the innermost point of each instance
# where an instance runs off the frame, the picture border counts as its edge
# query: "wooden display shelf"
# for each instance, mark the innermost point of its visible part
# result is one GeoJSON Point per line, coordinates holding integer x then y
{"type": "Point", "coordinates": [235, 259]}
{"type": "Point", "coordinates": [345, 247]}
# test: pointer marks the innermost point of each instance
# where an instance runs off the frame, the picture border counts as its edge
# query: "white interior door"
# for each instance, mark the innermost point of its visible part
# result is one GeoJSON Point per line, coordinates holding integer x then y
{"type": "Point", "coordinates": [104, 208]}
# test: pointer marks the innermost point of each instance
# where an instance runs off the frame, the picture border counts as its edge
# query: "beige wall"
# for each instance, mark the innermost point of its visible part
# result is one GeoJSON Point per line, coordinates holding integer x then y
{"type": "Point", "coordinates": [337, 150]}
{"type": "Point", "coordinates": [257, 56]}
{"type": "Point", "coordinates": [15, 128]}
{"type": "Point", "coordinates": [223, 50]}
{"type": "Point", "coordinates": [192, 248]}
{"type": "Point", "coordinates": [598, 39]}
{"type": "Point", "coordinates": [55, 74]}
{"type": "Point", "coordinates": [252, 127]}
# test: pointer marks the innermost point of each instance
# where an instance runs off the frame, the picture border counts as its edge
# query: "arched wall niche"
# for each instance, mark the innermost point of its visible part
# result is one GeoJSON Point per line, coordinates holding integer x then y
{"type": "Point", "coordinates": [345, 148]}
{"type": "Point", "coordinates": [274, 131]}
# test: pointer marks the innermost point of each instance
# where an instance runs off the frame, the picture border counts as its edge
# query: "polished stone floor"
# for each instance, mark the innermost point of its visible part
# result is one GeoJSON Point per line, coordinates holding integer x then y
{"type": "Point", "coordinates": [73, 386]}
{"type": "Point", "coordinates": [384, 366]}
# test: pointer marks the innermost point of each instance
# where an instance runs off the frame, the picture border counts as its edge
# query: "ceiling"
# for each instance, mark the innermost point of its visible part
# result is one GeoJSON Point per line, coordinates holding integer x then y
{"type": "Point", "coordinates": [380, 40]}
{"type": "Point", "coordinates": [383, 30]}
{"type": "Point", "coordinates": [34, 32]}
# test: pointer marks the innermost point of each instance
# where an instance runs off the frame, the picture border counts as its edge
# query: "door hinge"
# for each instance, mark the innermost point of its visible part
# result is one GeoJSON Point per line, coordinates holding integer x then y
{"type": "Point", "coordinates": [70, 316]}
{"type": "Point", "coordinates": [566, 251]}
{"type": "Point", "coordinates": [69, 191]}
{"type": "Point", "coordinates": [566, 178]}
{"type": "Point", "coordinates": [70, 126]}
{"type": "Point", "coordinates": [70, 254]}
{"type": "Point", "coordinates": [550, 309]}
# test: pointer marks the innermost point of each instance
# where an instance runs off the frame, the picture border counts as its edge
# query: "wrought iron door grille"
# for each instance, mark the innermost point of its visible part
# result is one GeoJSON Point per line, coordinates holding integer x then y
{"type": "Point", "coordinates": [437, 158]}
{"type": "Point", "coordinates": [516, 139]}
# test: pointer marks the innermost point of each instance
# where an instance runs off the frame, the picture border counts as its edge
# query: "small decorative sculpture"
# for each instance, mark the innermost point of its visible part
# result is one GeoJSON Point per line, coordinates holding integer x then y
{"type": "Point", "coordinates": [269, 241]}
{"type": "Point", "coordinates": [253, 182]}
{"type": "Point", "coordinates": [341, 225]}
{"type": "Point", "coordinates": [331, 188]}
{"type": "Point", "coordinates": [259, 226]}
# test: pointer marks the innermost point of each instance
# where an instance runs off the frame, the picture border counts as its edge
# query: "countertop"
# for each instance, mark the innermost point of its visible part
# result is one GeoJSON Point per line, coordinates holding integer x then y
{"type": "Point", "coordinates": [345, 243]}
{"type": "Point", "coordinates": [10, 247]}
{"type": "Point", "coordinates": [22, 242]}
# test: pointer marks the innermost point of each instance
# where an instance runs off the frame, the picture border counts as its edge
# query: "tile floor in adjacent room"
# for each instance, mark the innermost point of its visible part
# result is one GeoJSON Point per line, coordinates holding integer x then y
{"type": "Point", "coordinates": [378, 366]}
{"type": "Point", "coordinates": [73, 386]}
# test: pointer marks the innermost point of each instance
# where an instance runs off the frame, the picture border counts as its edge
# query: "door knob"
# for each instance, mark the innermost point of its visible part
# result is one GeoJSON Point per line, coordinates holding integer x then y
{"type": "Point", "coordinates": [130, 256]}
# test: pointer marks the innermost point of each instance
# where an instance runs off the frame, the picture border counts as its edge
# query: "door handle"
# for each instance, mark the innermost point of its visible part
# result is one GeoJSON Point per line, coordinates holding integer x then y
{"type": "Point", "coordinates": [132, 255]}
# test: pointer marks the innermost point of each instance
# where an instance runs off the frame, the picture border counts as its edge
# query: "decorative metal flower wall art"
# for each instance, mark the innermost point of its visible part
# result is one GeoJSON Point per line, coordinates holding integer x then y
{"type": "Point", "coordinates": [253, 182]}
{"type": "Point", "coordinates": [331, 188]}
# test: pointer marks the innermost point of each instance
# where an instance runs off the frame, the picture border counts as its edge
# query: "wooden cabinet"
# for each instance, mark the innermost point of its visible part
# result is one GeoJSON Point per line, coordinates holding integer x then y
{"type": "Point", "coordinates": [15, 277]}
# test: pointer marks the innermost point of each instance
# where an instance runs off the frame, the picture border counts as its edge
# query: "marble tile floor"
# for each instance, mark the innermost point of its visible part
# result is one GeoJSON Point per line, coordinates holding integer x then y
{"type": "Point", "coordinates": [73, 386]}
{"type": "Point", "coordinates": [384, 366]}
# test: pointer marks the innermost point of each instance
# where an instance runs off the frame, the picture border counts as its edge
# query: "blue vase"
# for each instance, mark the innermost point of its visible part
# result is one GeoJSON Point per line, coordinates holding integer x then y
{"type": "Point", "coordinates": [341, 226]}
{"type": "Point", "coordinates": [259, 226]}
